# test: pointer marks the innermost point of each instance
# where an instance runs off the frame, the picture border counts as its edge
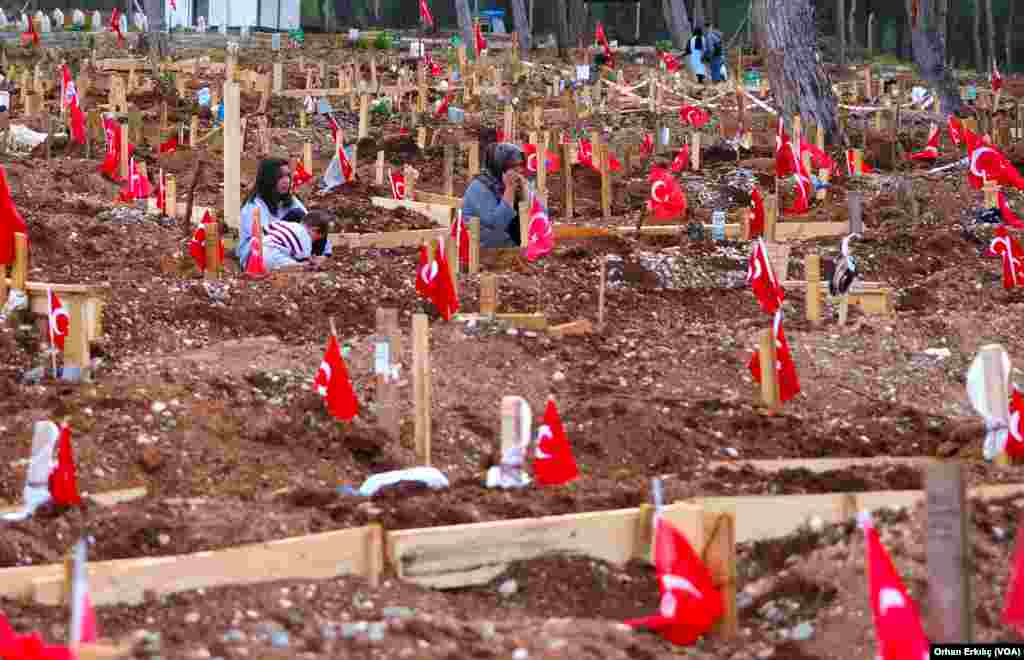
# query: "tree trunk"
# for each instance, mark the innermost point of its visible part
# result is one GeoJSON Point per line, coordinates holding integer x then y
{"type": "Point", "coordinates": [522, 23]}
{"type": "Point", "coordinates": [154, 14]}
{"type": "Point", "coordinates": [930, 57]}
{"type": "Point", "coordinates": [942, 22]}
{"type": "Point", "coordinates": [992, 52]}
{"type": "Point", "coordinates": [562, 27]}
{"type": "Point", "coordinates": [841, 30]}
{"type": "Point", "coordinates": [466, 25]}
{"type": "Point", "coordinates": [678, 22]}
{"type": "Point", "coordinates": [871, 35]}
{"type": "Point", "coordinates": [758, 19]}
{"type": "Point", "coordinates": [798, 80]}
{"type": "Point", "coordinates": [577, 22]}
{"type": "Point", "coordinates": [698, 14]}
{"type": "Point", "coordinates": [1009, 36]}
{"type": "Point", "coordinates": [343, 12]}
{"type": "Point", "coordinates": [979, 57]}
{"type": "Point", "coordinates": [851, 24]}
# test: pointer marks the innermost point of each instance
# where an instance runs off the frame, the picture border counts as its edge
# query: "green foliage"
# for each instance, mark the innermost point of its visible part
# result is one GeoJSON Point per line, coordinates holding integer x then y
{"type": "Point", "coordinates": [383, 41]}
{"type": "Point", "coordinates": [363, 43]}
{"type": "Point", "coordinates": [663, 45]}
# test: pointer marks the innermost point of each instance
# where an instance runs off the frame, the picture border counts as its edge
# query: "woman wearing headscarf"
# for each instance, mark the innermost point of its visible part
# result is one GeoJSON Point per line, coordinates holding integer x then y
{"type": "Point", "coordinates": [491, 196]}
{"type": "Point", "coordinates": [272, 195]}
{"type": "Point", "coordinates": [695, 51]}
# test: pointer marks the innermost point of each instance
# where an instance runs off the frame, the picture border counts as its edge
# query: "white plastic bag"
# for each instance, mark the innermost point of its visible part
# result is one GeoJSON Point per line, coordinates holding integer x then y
{"type": "Point", "coordinates": [428, 476]}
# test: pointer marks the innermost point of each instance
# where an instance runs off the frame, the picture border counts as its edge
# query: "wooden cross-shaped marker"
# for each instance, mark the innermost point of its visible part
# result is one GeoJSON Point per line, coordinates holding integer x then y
{"type": "Point", "coordinates": [379, 174]}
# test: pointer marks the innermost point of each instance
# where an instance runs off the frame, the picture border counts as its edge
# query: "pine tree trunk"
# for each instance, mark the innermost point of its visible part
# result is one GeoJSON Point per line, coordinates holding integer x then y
{"type": "Point", "coordinates": [1009, 36]}
{"type": "Point", "coordinates": [562, 27]}
{"type": "Point", "coordinates": [942, 22]}
{"type": "Point", "coordinates": [698, 14]}
{"type": "Point", "coordinates": [577, 22]}
{"type": "Point", "coordinates": [841, 30]}
{"type": "Point", "coordinates": [678, 22]}
{"type": "Point", "coordinates": [465, 24]}
{"type": "Point", "coordinates": [979, 57]}
{"type": "Point", "coordinates": [799, 82]}
{"type": "Point", "coordinates": [992, 52]}
{"type": "Point", "coordinates": [522, 23]}
{"type": "Point", "coordinates": [154, 15]}
{"type": "Point", "coordinates": [851, 24]}
{"type": "Point", "coordinates": [930, 57]}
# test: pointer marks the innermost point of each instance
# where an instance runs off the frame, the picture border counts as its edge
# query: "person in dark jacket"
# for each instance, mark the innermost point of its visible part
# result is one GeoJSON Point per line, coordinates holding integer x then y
{"type": "Point", "coordinates": [491, 196]}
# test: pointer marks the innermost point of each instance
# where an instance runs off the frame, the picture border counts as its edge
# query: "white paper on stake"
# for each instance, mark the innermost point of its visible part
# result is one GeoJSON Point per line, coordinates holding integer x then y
{"type": "Point", "coordinates": [992, 412]}
{"type": "Point", "coordinates": [382, 358]}
{"type": "Point", "coordinates": [582, 72]}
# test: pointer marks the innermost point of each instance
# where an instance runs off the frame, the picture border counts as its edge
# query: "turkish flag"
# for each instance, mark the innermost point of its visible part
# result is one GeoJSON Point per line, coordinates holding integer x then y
{"type": "Point", "coordinates": [197, 245]}
{"type": "Point", "coordinates": [762, 280]}
{"type": "Point", "coordinates": [757, 213]}
{"type": "Point", "coordinates": [671, 63]}
{"type": "Point", "coordinates": [332, 383]}
{"type": "Point", "coordinates": [254, 266]}
{"type": "Point", "coordinates": [137, 186]}
{"type": "Point", "coordinates": [694, 116]}
{"type": "Point", "coordinates": [397, 182]}
{"type": "Point", "coordinates": [897, 623]}
{"type": "Point", "coordinates": [170, 145]}
{"type": "Point", "coordinates": [460, 233]}
{"type": "Point", "coordinates": [586, 157]}
{"type": "Point", "coordinates": [1015, 438]}
{"type": "Point", "coordinates": [30, 36]}
{"type": "Point", "coordinates": [28, 646]}
{"type": "Point", "coordinates": [931, 149]}
{"type": "Point", "coordinates": [682, 160]}
{"type": "Point", "coordinates": [602, 39]}
{"type": "Point", "coordinates": [59, 320]}
{"type": "Point", "coordinates": [541, 235]}
{"type": "Point", "coordinates": [481, 43]}
{"type": "Point", "coordinates": [63, 483]}
{"type": "Point", "coordinates": [444, 297]}
{"type": "Point", "coordinates": [77, 122]}
{"type": "Point", "coordinates": [819, 159]}
{"type": "Point", "coordinates": [551, 159]}
{"type": "Point", "coordinates": [802, 200]}
{"type": "Point", "coordinates": [786, 376]}
{"type": "Point", "coordinates": [690, 603]}
{"type": "Point", "coordinates": [425, 15]}
{"type": "Point", "coordinates": [426, 274]}
{"type": "Point", "coordinates": [851, 163]}
{"type": "Point", "coordinates": [11, 222]}
{"type": "Point", "coordinates": [988, 163]}
{"type": "Point", "coordinates": [300, 176]}
{"type": "Point", "coordinates": [346, 164]}
{"type": "Point", "coordinates": [115, 26]}
{"type": "Point", "coordinates": [995, 77]}
{"type": "Point", "coordinates": [1006, 245]}
{"type": "Point", "coordinates": [647, 147]}
{"type": "Point", "coordinates": [667, 199]}
{"type": "Point", "coordinates": [435, 68]}
{"type": "Point", "coordinates": [1009, 217]}
{"type": "Point", "coordinates": [442, 108]}
{"type": "Point", "coordinates": [553, 462]}
{"type": "Point", "coordinates": [956, 130]}
{"type": "Point", "coordinates": [785, 158]}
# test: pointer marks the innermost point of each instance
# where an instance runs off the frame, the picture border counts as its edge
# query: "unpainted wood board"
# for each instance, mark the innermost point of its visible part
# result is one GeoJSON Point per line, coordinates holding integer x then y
{"type": "Point", "coordinates": [464, 555]}
{"type": "Point", "coordinates": [824, 464]}
{"type": "Point", "coordinates": [126, 581]}
{"type": "Point", "coordinates": [441, 214]}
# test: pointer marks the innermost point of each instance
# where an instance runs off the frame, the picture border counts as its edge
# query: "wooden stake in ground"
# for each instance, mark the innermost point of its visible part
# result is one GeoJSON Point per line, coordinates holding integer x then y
{"type": "Point", "coordinates": [193, 132]}
{"type": "Point", "coordinates": [474, 158]}
{"type": "Point", "coordinates": [855, 211]}
{"type": "Point", "coordinates": [567, 201]}
{"type": "Point", "coordinates": [379, 175]}
{"type": "Point", "coordinates": [421, 387]}
{"type": "Point", "coordinates": [364, 116]}
{"type": "Point", "coordinates": [949, 554]}
{"type": "Point", "coordinates": [695, 151]}
{"type": "Point", "coordinates": [449, 169]}
{"type": "Point", "coordinates": [542, 170]}
{"type": "Point", "coordinates": [19, 270]}
{"type": "Point", "coordinates": [232, 156]}
{"type": "Point", "coordinates": [171, 197]}
{"type": "Point", "coordinates": [213, 264]}
{"type": "Point", "coordinates": [488, 294]}
{"type": "Point", "coordinates": [387, 354]}
{"type": "Point", "coordinates": [123, 166]}
{"type": "Point", "coordinates": [769, 375]}
{"type": "Point", "coordinates": [991, 189]}
{"type": "Point", "coordinates": [474, 244]}
{"type": "Point", "coordinates": [600, 293]}
{"type": "Point", "coordinates": [812, 273]}
{"type": "Point", "coordinates": [606, 183]}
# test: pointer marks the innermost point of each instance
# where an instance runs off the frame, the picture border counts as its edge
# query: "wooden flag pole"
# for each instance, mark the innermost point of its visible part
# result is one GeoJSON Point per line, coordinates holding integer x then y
{"type": "Point", "coordinates": [449, 169]}
{"type": "Point", "coordinates": [488, 294]}
{"type": "Point", "coordinates": [213, 264]}
{"type": "Point", "coordinates": [387, 386]}
{"type": "Point", "coordinates": [307, 157]}
{"type": "Point", "coordinates": [379, 175]}
{"type": "Point", "coordinates": [812, 273]}
{"type": "Point", "coordinates": [170, 196]}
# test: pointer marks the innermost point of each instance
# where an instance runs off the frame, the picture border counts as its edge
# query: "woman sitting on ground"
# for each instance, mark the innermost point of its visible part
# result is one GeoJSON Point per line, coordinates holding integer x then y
{"type": "Point", "coordinates": [491, 196]}
{"type": "Point", "coordinates": [272, 195]}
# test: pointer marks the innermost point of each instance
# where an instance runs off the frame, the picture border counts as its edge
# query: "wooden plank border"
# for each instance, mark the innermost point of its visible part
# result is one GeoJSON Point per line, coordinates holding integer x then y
{"type": "Point", "coordinates": [129, 581]}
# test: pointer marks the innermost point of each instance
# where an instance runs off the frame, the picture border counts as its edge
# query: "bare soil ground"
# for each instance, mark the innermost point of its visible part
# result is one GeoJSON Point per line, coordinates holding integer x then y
{"type": "Point", "coordinates": [241, 449]}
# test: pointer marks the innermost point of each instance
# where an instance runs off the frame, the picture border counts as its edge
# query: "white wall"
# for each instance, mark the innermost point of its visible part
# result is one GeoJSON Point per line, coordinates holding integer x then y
{"type": "Point", "coordinates": [243, 12]}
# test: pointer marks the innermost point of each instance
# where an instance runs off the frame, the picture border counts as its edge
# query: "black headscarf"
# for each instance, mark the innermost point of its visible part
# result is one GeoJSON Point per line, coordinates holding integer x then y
{"type": "Point", "coordinates": [498, 157]}
{"type": "Point", "coordinates": [266, 184]}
